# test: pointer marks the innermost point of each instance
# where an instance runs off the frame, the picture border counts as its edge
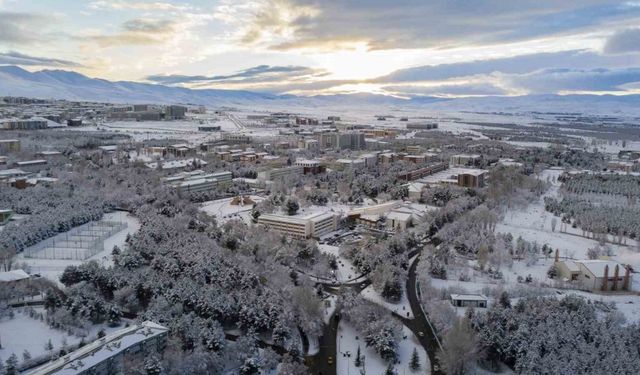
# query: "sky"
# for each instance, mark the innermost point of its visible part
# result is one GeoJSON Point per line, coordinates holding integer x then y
{"type": "Point", "coordinates": [404, 48]}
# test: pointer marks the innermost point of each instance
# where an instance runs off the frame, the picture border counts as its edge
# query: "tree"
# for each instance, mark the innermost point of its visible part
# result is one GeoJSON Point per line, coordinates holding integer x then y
{"type": "Point", "coordinates": [458, 348]}
{"type": "Point", "coordinates": [292, 206]}
{"type": "Point", "coordinates": [552, 272]}
{"type": "Point", "coordinates": [554, 223]}
{"type": "Point", "coordinates": [358, 360]}
{"type": "Point", "coordinates": [504, 299]}
{"type": "Point", "coordinates": [152, 365]}
{"type": "Point", "coordinates": [26, 355]}
{"type": "Point", "coordinates": [414, 363]}
{"type": "Point", "coordinates": [390, 370]}
{"type": "Point", "coordinates": [48, 346]}
{"type": "Point", "coordinates": [11, 365]}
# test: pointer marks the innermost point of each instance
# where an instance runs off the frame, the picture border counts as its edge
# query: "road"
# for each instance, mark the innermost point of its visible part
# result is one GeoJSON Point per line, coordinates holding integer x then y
{"type": "Point", "coordinates": [420, 323]}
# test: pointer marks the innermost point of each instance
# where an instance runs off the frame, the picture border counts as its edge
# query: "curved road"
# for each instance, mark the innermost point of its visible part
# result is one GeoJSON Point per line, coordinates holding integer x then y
{"type": "Point", "coordinates": [318, 364]}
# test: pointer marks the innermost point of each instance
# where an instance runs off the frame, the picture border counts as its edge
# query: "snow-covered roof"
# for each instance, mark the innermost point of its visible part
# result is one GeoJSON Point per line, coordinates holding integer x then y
{"type": "Point", "coordinates": [597, 266]}
{"type": "Point", "coordinates": [400, 216]}
{"type": "Point", "coordinates": [14, 275]}
{"type": "Point", "coordinates": [79, 361]}
{"type": "Point", "coordinates": [468, 297]}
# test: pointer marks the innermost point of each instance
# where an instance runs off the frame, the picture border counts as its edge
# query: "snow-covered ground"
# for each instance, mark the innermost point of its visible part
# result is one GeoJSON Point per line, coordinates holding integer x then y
{"type": "Point", "coordinates": [401, 308]}
{"type": "Point", "coordinates": [349, 340]}
{"type": "Point", "coordinates": [223, 210]}
{"type": "Point", "coordinates": [22, 333]}
{"type": "Point", "coordinates": [346, 270]}
{"type": "Point", "coordinates": [53, 268]}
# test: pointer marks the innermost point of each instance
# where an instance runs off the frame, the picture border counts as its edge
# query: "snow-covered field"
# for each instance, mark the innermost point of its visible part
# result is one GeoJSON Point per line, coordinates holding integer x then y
{"type": "Point", "coordinates": [25, 333]}
{"type": "Point", "coordinates": [223, 210]}
{"type": "Point", "coordinates": [349, 340]}
{"type": "Point", "coordinates": [346, 270]}
{"type": "Point", "coordinates": [53, 268]}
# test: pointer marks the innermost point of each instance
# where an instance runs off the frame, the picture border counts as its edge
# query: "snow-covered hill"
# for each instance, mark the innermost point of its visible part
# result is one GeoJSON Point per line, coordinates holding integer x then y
{"type": "Point", "coordinates": [61, 84]}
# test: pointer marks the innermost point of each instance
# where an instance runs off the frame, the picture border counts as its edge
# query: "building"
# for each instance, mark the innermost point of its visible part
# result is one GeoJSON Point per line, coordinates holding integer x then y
{"type": "Point", "coordinates": [422, 172]}
{"type": "Point", "coordinates": [469, 300]}
{"type": "Point", "coordinates": [314, 225]}
{"type": "Point", "coordinates": [9, 145]}
{"type": "Point", "coordinates": [351, 141]}
{"type": "Point", "coordinates": [472, 178]}
{"type": "Point", "coordinates": [74, 122]}
{"type": "Point", "coordinates": [310, 166]}
{"type": "Point", "coordinates": [5, 216]}
{"type": "Point", "coordinates": [236, 137]}
{"type": "Point", "coordinates": [23, 124]}
{"type": "Point", "coordinates": [196, 182]}
{"type": "Point", "coordinates": [209, 128]}
{"type": "Point", "coordinates": [422, 126]}
{"type": "Point", "coordinates": [465, 160]}
{"type": "Point", "coordinates": [107, 355]}
{"type": "Point", "coordinates": [595, 275]}
{"type": "Point", "coordinates": [181, 150]}
{"type": "Point", "coordinates": [175, 112]}
{"type": "Point", "coordinates": [345, 164]}
{"type": "Point", "coordinates": [280, 173]}
{"type": "Point", "coordinates": [177, 164]}
{"type": "Point", "coordinates": [13, 277]}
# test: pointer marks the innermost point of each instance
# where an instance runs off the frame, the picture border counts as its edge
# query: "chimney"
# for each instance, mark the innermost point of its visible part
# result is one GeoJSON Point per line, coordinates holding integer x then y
{"type": "Point", "coordinates": [615, 278]}
{"type": "Point", "coordinates": [605, 280]}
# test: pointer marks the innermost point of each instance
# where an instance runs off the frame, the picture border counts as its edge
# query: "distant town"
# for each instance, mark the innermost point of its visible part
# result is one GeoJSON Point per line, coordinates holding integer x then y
{"type": "Point", "coordinates": [157, 238]}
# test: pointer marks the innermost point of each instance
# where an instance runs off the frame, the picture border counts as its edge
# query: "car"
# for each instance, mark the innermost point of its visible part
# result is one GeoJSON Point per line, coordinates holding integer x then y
{"type": "Point", "coordinates": [330, 360]}
{"type": "Point", "coordinates": [421, 334]}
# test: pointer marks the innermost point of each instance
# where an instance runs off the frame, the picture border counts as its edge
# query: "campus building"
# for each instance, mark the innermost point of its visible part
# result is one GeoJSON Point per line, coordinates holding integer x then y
{"type": "Point", "coordinates": [280, 173]}
{"type": "Point", "coordinates": [107, 355]}
{"type": "Point", "coordinates": [314, 225]}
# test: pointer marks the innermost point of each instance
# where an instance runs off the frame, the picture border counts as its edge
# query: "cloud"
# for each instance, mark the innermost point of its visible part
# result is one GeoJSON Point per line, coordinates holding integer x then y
{"type": "Point", "coordinates": [448, 89]}
{"type": "Point", "coordinates": [132, 5]}
{"type": "Point", "coordinates": [579, 80]}
{"type": "Point", "coordinates": [17, 58]}
{"type": "Point", "coordinates": [139, 31]}
{"type": "Point", "coordinates": [21, 28]}
{"type": "Point", "coordinates": [254, 75]}
{"type": "Point", "coordinates": [439, 24]}
{"type": "Point", "coordinates": [624, 41]}
{"type": "Point", "coordinates": [514, 65]}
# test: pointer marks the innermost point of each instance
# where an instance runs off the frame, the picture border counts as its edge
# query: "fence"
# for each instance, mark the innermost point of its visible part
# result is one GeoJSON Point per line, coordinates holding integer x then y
{"type": "Point", "coordinates": [79, 243]}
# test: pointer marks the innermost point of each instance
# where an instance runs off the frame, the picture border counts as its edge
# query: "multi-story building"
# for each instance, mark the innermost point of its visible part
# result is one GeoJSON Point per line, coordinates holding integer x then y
{"type": "Point", "coordinates": [422, 126]}
{"type": "Point", "coordinates": [314, 225]}
{"type": "Point", "coordinates": [9, 145]}
{"type": "Point", "coordinates": [23, 124]}
{"type": "Point", "coordinates": [472, 178]}
{"type": "Point", "coordinates": [280, 173]}
{"type": "Point", "coordinates": [310, 166]}
{"type": "Point", "coordinates": [352, 141]}
{"type": "Point", "coordinates": [109, 355]}
{"type": "Point", "coordinates": [175, 112]}
{"type": "Point", "coordinates": [465, 160]}
{"type": "Point", "coordinates": [236, 137]}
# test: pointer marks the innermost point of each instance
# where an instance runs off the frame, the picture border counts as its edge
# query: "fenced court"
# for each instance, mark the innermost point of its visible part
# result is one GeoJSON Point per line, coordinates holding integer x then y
{"type": "Point", "coordinates": [79, 243]}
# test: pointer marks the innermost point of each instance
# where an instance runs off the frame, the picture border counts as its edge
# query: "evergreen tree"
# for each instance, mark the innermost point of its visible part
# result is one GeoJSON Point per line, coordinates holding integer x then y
{"type": "Point", "coordinates": [504, 300]}
{"type": "Point", "coordinates": [414, 364]}
{"type": "Point", "coordinates": [48, 346]}
{"type": "Point", "coordinates": [11, 365]}
{"type": "Point", "coordinates": [358, 360]}
{"type": "Point", "coordinates": [390, 370]}
{"type": "Point", "coordinates": [26, 355]}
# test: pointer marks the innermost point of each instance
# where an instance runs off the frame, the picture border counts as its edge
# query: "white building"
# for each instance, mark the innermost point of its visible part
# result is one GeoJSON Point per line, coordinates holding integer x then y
{"type": "Point", "coordinates": [314, 225]}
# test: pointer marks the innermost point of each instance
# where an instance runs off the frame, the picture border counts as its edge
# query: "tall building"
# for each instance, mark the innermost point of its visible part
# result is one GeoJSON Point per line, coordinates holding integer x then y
{"type": "Point", "coordinates": [175, 112]}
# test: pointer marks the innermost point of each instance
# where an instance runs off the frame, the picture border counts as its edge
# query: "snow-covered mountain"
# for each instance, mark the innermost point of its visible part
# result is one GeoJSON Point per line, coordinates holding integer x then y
{"type": "Point", "coordinates": [61, 84]}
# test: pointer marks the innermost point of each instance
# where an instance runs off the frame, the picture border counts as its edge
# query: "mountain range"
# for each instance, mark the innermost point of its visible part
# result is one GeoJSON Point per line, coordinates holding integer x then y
{"type": "Point", "coordinates": [62, 84]}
